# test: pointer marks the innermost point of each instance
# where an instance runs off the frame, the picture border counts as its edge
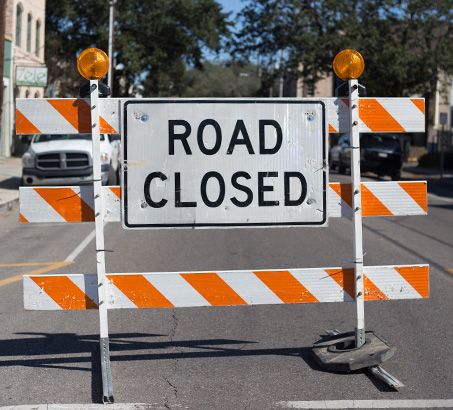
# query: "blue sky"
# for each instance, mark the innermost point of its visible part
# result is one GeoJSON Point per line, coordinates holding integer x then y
{"type": "Point", "coordinates": [231, 5]}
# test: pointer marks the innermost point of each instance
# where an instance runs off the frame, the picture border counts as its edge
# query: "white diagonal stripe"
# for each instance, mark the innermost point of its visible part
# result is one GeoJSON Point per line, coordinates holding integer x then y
{"type": "Point", "coordinates": [337, 207]}
{"type": "Point", "coordinates": [395, 198]}
{"type": "Point", "coordinates": [35, 209]}
{"type": "Point", "coordinates": [250, 288]}
{"type": "Point", "coordinates": [117, 299]}
{"type": "Point", "coordinates": [45, 117]}
{"type": "Point", "coordinates": [176, 289]}
{"type": "Point", "coordinates": [321, 285]}
{"type": "Point", "coordinates": [35, 298]}
{"type": "Point", "coordinates": [87, 284]}
{"type": "Point", "coordinates": [405, 112]}
{"type": "Point", "coordinates": [390, 282]}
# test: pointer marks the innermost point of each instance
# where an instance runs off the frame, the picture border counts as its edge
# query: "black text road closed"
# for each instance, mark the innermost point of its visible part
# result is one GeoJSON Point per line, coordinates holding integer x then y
{"type": "Point", "coordinates": [224, 163]}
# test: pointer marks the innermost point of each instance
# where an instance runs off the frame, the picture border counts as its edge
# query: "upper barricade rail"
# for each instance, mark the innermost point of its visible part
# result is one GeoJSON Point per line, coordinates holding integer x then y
{"type": "Point", "coordinates": [73, 115]}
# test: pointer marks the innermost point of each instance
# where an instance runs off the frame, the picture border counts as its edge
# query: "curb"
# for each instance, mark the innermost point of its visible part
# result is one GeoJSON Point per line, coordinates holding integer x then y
{"type": "Point", "coordinates": [9, 205]}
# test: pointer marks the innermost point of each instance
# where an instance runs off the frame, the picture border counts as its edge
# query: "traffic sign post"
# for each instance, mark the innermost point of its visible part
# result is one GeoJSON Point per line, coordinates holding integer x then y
{"type": "Point", "coordinates": [223, 164]}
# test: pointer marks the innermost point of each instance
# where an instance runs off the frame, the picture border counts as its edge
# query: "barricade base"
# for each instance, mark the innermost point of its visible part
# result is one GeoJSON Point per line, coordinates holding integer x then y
{"type": "Point", "coordinates": [338, 354]}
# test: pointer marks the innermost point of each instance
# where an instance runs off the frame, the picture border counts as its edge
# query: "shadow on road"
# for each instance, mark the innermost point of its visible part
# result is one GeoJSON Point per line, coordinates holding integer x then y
{"type": "Point", "coordinates": [87, 347]}
{"type": "Point", "coordinates": [12, 183]}
{"type": "Point", "coordinates": [58, 350]}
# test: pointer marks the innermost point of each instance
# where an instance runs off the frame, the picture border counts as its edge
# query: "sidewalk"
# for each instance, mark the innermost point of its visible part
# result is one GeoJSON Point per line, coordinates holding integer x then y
{"type": "Point", "coordinates": [11, 173]}
{"type": "Point", "coordinates": [10, 176]}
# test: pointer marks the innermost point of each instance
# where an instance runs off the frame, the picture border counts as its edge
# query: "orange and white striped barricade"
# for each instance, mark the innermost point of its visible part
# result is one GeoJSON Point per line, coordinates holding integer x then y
{"type": "Point", "coordinates": [75, 204]}
{"type": "Point", "coordinates": [72, 116]}
{"type": "Point", "coordinates": [183, 289]}
{"type": "Point", "coordinates": [225, 288]}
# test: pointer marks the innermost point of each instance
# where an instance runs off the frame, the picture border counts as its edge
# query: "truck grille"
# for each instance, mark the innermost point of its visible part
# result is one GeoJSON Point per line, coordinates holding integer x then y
{"type": "Point", "coordinates": [63, 160]}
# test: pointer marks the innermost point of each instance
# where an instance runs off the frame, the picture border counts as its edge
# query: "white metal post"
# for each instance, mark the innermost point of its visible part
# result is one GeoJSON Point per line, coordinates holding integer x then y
{"type": "Point", "coordinates": [100, 252]}
{"type": "Point", "coordinates": [357, 211]}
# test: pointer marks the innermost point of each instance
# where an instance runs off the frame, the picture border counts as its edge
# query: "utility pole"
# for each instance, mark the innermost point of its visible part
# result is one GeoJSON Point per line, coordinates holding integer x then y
{"type": "Point", "coordinates": [2, 56]}
{"type": "Point", "coordinates": [110, 51]}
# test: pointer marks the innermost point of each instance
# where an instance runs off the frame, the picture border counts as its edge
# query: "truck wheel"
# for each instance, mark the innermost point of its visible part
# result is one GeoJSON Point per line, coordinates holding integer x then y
{"type": "Point", "coordinates": [341, 167]}
{"type": "Point", "coordinates": [396, 176]}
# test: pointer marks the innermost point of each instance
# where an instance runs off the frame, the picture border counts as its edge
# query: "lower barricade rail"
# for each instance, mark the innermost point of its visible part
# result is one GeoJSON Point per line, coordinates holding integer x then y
{"type": "Point", "coordinates": [226, 288]}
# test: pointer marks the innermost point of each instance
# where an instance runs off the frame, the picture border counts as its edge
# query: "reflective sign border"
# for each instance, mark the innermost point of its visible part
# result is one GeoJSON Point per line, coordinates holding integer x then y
{"type": "Point", "coordinates": [128, 225]}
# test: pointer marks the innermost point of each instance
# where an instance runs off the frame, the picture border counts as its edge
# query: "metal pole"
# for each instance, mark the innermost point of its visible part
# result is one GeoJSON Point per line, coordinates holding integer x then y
{"type": "Point", "coordinates": [357, 211]}
{"type": "Point", "coordinates": [100, 252]}
{"type": "Point", "coordinates": [110, 52]}
{"type": "Point", "coordinates": [442, 148]}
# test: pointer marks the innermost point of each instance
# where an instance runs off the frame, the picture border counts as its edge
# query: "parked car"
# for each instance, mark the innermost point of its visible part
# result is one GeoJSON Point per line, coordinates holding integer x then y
{"type": "Point", "coordinates": [379, 153]}
{"type": "Point", "coordinates": [67, 159]}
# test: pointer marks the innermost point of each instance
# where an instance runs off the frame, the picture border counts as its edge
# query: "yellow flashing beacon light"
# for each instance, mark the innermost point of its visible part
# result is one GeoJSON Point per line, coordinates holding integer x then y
{"type": "Point", "coordinates": [93, 64]}
{"type": "Point", "coordinates": [348, 64]}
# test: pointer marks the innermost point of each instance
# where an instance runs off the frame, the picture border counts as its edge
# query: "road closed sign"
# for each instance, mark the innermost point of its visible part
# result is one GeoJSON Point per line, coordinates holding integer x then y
{"type": "Point", "coordinates": [224, 163]}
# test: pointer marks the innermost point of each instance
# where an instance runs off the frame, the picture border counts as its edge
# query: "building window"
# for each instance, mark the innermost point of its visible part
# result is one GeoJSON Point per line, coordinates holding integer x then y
{"type": "Point", "coordinates": [310, 89]}
{"type": "Point", "coordinates": [29, 32]}
{"type": "Point", "coordinates": [27, 94]}
{"type": "Point", "coordinates": [18, 24]}
{"type": "Point", "coordinates": [36, 94]}
{"type": "Point", "coordinates": [38, 31]}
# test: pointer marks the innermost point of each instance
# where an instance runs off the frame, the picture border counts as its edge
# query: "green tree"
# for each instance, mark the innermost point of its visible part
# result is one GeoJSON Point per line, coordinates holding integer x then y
{"type": "Point", "coordinates": [154, 40]}
{"type": "Point", "coordinates": [221, 80]}
{"type": "Point", "coordinates": [405, 44]}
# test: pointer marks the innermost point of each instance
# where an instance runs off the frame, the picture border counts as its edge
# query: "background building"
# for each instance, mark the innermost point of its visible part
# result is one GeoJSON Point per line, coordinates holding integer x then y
{"type": "Point", "coordinates": [25, 75]}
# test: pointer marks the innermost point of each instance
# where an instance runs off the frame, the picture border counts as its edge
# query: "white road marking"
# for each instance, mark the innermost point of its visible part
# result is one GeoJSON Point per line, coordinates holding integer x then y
{"type": "Point", "coordinates": [76, 252]}
{"type": "Point", "coordinates": [368, 404]}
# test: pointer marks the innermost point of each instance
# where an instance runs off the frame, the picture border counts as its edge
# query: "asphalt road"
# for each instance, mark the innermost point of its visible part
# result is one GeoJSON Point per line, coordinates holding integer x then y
{"type": "Point", "coordinates": [225, 357]}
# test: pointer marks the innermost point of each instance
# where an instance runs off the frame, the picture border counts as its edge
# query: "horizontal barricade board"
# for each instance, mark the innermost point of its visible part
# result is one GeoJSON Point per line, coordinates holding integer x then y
{"type": "Point", "coordinates": [73, 116]}
{"type": "Point", "coordinates": [227, 288]}
{"type": "Point", "coordinates": [76, 203]}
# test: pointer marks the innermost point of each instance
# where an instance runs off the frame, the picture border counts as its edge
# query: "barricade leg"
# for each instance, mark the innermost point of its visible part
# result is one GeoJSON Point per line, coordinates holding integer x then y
{"type": "Point", "coordinates": [100, 251]}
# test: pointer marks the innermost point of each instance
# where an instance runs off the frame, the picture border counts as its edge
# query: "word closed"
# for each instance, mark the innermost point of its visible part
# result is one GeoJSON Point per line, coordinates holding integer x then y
{"type": "Point", "coordinates": [215, 163]}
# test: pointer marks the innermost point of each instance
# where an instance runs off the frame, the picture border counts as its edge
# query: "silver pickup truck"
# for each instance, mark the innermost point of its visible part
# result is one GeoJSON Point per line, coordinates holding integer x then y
{"type": "Point", "coordinates": [67, 159]}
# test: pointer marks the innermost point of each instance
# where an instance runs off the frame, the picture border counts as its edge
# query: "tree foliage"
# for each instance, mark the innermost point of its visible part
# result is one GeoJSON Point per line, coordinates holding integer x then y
{"type": "Point", "coordinates": [154, 40]}
{"type": "Point", "coordinates": [405, 44]}
{"type": "Point", "coordinates": [221, 80]}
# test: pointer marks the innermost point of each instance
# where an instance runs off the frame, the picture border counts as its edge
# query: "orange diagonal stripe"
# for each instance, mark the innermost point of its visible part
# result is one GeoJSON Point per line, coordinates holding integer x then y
{"type": "Point", "coordinates": [417, 277]}
{"type": "Point", "coordinates": [345, 278]}
{"type": "Point", "coordinates": [214, 289]}
{"type": "Point", "coordinates": [376, 117]}
{"type": "Point", "coordinates": [371, 205]}
{"type": "Point", "coordinates": [286, 287]}
{"type": "Point", "coordinates": [105, 127]}
{"type": "Point", "coordinates": [67, 203]}
{"type": "Point", "coordinates": [142, 293]}
{"type": "Point", "coordinates": [116, 190]}
{"type": "Point", "coordinates": [344, 191]}
{"type": "Point", "coordinates": [345, 101]}
{"type": "Point", "coordinates": [332, 129]}
{"type": "Point", "coordinates": [417, 191]}
{"type": "Point", "coordinates": [420, 104]}
{"type": "Point", "coordinates": [24, 126]}
{"type": "Point", "coordinates": [76, 111]}
{"type": "Point", "coordinates": [22, 218]}
{"type": "Point", "coordinates": [371, 291]}
{"type": "Point", "coordinates": [64, 292]}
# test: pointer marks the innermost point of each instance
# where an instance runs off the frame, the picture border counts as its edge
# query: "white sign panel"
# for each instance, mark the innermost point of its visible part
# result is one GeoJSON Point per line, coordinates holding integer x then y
{"type": "Point", "coordinates": [224, 163]}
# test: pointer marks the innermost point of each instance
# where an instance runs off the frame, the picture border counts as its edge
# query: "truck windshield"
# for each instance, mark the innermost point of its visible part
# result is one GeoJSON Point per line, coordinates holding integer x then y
{"type": "Point", "coordinates": [47, 137]}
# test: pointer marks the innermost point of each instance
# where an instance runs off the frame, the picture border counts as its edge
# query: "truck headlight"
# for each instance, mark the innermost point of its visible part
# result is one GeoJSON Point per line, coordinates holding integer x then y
{"type": "Point", "coordinates": [28, 160]}
{"type": "Point", "coordinates": [104, 157]}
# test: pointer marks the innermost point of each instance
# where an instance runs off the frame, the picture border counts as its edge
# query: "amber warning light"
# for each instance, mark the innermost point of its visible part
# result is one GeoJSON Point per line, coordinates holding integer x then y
{"type": "Point", "coordinates": [93, 64]}
{"type": "Point", "coordinates": [348, 64]}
